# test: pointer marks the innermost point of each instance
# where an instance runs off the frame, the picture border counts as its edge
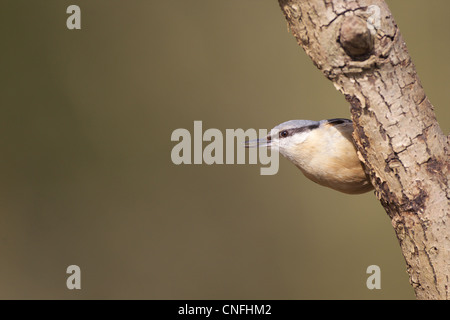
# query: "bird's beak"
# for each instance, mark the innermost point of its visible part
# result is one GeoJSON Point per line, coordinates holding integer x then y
{"type": "Point", "coordinates": [257, 143]}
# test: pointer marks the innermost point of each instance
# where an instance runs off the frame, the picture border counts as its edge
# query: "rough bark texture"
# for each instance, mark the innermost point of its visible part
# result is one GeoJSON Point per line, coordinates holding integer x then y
{"type": "Point", "coordinates": [358, 46]}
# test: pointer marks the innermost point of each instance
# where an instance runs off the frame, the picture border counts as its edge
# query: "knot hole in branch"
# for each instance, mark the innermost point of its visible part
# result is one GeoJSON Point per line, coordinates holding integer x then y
{"type": "Point", "coordinates": [355, 38]}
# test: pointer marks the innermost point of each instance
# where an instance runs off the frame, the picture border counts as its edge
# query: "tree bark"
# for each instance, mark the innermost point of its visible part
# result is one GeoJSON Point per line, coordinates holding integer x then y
{"type": "Point", "coordinates": [358, 46]}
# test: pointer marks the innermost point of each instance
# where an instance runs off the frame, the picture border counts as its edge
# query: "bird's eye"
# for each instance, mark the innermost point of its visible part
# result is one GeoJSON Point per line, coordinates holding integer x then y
{"type": "Point", "coordinates": [284, 134]}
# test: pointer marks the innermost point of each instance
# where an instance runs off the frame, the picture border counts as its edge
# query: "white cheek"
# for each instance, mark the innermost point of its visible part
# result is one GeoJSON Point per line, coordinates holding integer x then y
{"type": "Point", "coordinates": [288, 146]}
{"type": "Point", "coordinates": [297, 139]}
{"type": "Point", "coordinates": [275, 144]}
{"type": "Point", "coordinates": [283, 146]}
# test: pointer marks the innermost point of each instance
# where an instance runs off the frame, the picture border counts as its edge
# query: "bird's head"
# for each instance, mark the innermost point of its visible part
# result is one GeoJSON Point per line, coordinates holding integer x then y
{"type": "Point", "coordinates": [287, 137]}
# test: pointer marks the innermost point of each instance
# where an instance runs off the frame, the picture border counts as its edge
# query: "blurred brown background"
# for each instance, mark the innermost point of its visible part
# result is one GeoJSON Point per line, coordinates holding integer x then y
{"type": "Point", "coordinates": [86, 175]}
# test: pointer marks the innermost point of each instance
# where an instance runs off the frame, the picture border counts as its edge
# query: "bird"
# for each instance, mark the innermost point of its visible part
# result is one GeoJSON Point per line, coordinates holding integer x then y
{"type": "Point", "coordinates": [323, 151]}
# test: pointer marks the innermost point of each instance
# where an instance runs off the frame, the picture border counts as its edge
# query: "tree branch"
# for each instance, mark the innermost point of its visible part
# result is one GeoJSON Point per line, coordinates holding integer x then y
{"type": "Point", "coordinates": [358, 46]}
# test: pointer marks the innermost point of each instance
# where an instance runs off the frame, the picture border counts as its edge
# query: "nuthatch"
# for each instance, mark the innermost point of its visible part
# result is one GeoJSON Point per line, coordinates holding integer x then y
{"type": "Point", "coordinates": [323, 150]}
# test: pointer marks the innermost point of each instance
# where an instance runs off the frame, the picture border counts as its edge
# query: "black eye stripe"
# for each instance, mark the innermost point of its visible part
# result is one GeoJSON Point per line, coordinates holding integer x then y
{"type": "Point", "coordinates": [306, 128]}
{"type": "Point", "coordinates": [292, 131]}
{"type": "Point", "coordinates": [338, 121]}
